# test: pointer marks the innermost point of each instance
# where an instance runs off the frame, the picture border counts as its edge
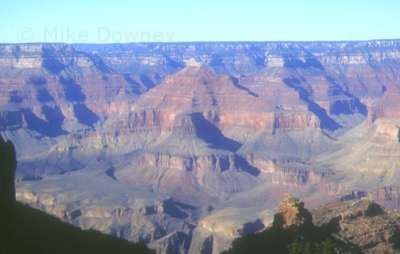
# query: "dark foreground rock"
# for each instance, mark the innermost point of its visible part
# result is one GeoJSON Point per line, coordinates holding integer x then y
{"type": "Point", "coordinates": [26, 230]}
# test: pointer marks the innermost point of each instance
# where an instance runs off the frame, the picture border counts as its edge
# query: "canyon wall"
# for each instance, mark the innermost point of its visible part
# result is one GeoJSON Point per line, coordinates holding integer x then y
{"type": "Point", "coordinates": [187, 145]}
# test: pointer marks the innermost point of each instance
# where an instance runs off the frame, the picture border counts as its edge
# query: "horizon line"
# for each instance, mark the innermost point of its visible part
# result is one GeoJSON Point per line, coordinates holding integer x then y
{"type": "Point", "coordinates": [201, 41]}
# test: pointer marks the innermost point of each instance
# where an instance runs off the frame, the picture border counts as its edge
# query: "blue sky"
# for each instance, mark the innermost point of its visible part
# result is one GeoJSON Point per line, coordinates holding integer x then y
{"type": "Point", "coordinates": [206, 20]}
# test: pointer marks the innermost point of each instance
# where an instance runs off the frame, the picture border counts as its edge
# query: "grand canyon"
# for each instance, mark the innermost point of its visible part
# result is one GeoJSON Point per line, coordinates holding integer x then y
{"type": "Point", "coordinates": [188, 146]}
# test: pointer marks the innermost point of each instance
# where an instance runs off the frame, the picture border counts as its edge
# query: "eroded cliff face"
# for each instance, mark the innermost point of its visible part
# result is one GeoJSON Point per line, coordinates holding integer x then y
{"type": "Point", "coordinates": [209, 126]}
{"type": "Point", "coordinates": [54, 89]}
{"type": "Point", "coordinates": [387, 196]}
{"type": "Point", "coordinates": [151, 221]}
{"type": "Point", "coordinates": [328, 79]}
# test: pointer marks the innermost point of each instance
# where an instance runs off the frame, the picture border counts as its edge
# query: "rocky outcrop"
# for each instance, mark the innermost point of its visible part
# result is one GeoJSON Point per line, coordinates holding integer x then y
{"type": "Point", "coordinates": [291, 213]}
{"type": "Point", "coordinates": [388, 130]}
{"type": "Point", "coordinates": [299, 120]}
{"type": "Point", "coordinates": [360, 226]}
{"type": "Point", "coordinates": [363, 223]}
{"type": "Point", "coordinates": [293, 231]}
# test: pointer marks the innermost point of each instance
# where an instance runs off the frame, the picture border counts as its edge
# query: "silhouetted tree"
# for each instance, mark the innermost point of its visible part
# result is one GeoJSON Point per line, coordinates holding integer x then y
{"type": "Point", "coordinates": [8, 164]}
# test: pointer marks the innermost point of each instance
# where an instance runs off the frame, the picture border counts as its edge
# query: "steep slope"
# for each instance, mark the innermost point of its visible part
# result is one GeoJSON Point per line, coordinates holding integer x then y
{"type": "Point", "coordinates": [369, 155]}
{"type": "Point", "coordinates": [25, 230]}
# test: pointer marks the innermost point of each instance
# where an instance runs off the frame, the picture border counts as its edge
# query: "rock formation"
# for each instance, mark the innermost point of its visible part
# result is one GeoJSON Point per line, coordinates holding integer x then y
{"type": "Point", "coordinates": [363, 223]}
{"type": "Point", "coordinates": [360, 226]}
{"type": "Point", "coordinates": [158, 142]}
{"type": "Point", "coordinates": [291, 213]}
{"type": "Point", "coordinates": [293, 231]}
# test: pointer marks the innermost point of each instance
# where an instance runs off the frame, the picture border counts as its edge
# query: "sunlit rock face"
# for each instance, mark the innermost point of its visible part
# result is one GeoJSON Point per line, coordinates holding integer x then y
{"type": "Point", "coordinates": [216, 132]}
{"type": "Point", "coordinates": [291, 213]}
